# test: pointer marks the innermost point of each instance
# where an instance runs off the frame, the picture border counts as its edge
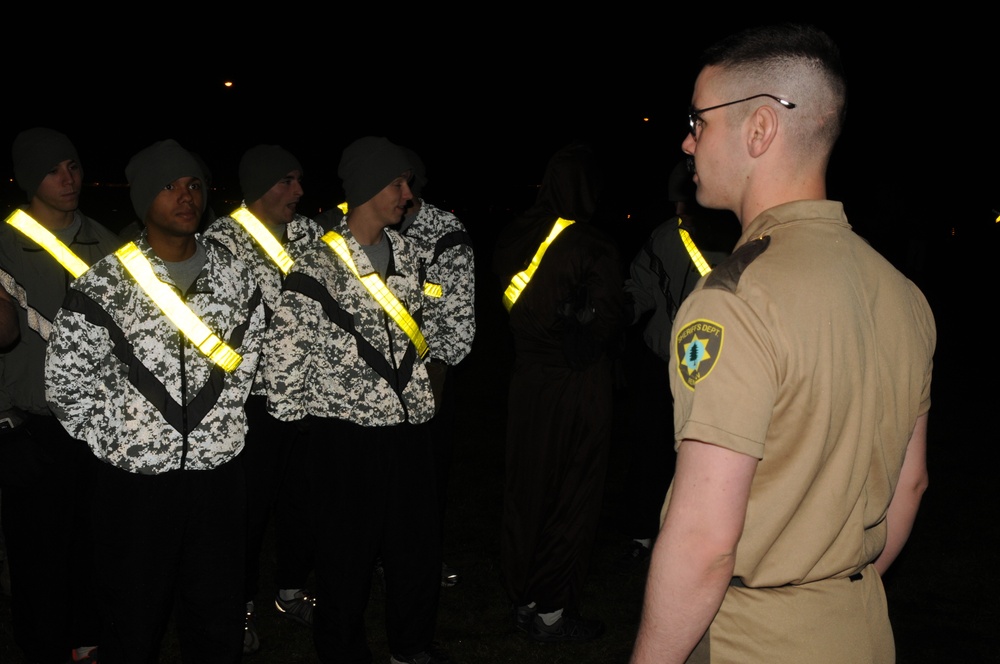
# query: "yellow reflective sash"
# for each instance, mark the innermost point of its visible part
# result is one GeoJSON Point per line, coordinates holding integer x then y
{"type": "Point", "coordinates": [381, 293]}
{"type": "Point", "coordinates": [23, 222]}
{"type": "Point", "coordinates": [264, 238]}
{"type": "Point", "coordinates": [171, 304]}
{"type": "Point", "coordinates": [521, 279]}
{"type": "Point", "coordinates": [432, 289]}
{"type": "Point", "coordinates": [692, 249]}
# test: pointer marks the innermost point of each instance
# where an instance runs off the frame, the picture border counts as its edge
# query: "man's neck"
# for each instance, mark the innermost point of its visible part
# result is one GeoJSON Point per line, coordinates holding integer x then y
{"type": "Point", "coordinates": [782, 190]}
{"type": "Point", "coordinates": [49, 217]}
{"type": "Point", "coordinates": [276, 228]}
{"type": "Point", "coordinates": [172, 248]}
{"type": "Point", "coordinates": [366, 229]}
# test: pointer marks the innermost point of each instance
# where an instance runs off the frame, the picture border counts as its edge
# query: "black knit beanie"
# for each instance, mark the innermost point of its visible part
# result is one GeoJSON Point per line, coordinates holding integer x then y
{"type": "Point", "coordinates": [153, 168]}
{"type": "Point", "coordinates": [261, 167]}
{"type": "Point", "coordinates": [368, 165]}
{"type": "Point", "coordinates": [36, 152]}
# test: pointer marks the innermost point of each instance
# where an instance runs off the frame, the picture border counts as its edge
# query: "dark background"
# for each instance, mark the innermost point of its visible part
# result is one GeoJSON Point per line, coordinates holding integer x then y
{"type": "Point", "coordinates": [485, 98]}
{"type": "Point", "coordinates": [485, 101]}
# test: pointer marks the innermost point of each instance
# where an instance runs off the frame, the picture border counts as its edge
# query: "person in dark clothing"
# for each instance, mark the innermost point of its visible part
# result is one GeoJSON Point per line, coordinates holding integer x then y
{"type": "Point", "coordinates": [566, 305]}
{"type": "Point", "coordinates": [666, 268]}
{"type": "Point", "coordinates": [42, 467]}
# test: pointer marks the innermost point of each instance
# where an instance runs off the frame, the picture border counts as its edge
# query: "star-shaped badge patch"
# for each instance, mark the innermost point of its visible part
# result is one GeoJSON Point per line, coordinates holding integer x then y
{"type": "Point", "coordinates": [698, 347]}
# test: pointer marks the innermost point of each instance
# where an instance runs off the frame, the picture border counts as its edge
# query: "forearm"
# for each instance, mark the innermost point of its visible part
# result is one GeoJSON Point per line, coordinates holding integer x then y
{"type": "Point", "coordinates": [899, 522]}
{"type": "Point", "coordinates": [902, 512]}
{"type": "Point", "coordinates": [694, 557]}
{"type": "Point", "coordinates": [683, 594]}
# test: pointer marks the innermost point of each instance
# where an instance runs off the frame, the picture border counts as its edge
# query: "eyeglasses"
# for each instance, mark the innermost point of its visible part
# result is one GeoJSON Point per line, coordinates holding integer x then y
{"type": "Point", "coordinates": [694, 114]}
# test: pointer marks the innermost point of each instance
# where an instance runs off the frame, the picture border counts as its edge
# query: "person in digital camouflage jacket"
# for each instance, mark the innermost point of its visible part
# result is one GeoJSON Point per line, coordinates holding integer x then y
{"type": "Point", "coordinates": [271, 182]}
{"type": "Point", "coordinates": [169, 501]}
{"type": "Point", "coordinates": [339, 359]}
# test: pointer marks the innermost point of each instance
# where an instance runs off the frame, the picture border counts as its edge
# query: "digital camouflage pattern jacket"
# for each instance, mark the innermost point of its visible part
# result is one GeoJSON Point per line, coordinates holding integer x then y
{"type": "Point", "coordinates": [334, 352]}
{"type": "Point", "coordinates": [301, 233]}
{"type": "Point", "coordinates": [449, 262]}
{"type": "Point", "coordinates": [122, 377]}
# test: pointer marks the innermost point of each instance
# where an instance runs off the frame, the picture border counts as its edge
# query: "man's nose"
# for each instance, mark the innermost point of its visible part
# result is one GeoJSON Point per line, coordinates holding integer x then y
{"type": "Point", "coordinates": [688, 144]}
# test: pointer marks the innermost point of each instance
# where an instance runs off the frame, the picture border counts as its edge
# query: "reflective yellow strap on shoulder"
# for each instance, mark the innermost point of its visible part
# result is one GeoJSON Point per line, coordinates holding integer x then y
{"type": "Point", "coordinates": [174, 308]}
{"type": "Point", "coordinates": [264, 238]}
{"type": "Point", "coordinates": [521, 279]}
{"type": "Point", "coordinates": [23, 222]}
{"type": "Point", "coordinates": [699, 261]}
{"type": "Point", "coordinates": [378, 290]}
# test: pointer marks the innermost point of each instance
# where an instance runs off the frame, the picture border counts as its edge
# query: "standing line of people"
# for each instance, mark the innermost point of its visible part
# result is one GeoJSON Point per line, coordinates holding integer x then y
{"type": "Point", "coordinates": [149, 382]}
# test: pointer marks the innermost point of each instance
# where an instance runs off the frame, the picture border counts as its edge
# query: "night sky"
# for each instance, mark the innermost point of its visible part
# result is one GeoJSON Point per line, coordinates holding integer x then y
{"type": "Point", "coordinates": [486, 106]}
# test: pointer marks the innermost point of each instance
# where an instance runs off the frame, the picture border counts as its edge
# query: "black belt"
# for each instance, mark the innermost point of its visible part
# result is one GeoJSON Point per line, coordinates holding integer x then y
{"type": "Point", "coordinates": [737, 582]}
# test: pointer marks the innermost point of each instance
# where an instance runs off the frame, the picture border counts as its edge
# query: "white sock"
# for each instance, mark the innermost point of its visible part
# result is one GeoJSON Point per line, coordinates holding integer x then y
{"type": "Point", "coordinates": [551, 619]}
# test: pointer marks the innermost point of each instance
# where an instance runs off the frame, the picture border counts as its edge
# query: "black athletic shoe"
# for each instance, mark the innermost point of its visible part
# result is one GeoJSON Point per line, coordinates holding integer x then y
{"type": "Point", "coordinates": [299, 609]}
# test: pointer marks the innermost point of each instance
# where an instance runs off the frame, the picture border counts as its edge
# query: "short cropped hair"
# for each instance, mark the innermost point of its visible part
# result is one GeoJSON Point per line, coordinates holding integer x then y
{"type": "Point", "coordinates": [791, 52]}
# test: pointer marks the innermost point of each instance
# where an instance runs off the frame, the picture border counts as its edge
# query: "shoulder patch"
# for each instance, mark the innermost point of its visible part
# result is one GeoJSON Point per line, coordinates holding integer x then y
{"type": "Point", "coordinates": [698, 347]}
{"type": "Point", "coordinates": [726, 275]}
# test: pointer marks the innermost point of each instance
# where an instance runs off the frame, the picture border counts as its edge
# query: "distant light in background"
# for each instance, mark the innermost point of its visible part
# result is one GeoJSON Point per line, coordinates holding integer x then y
{"type": "Point", "coordinates": [645, 119]}
{"type": "Point", "coordinates": [228, 84]}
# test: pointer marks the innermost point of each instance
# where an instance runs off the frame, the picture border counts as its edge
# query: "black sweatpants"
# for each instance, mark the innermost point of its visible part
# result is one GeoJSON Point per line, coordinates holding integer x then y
{"type": "Point", "coordinates": [375, 497]}
{"type": "Point", "coordinates": [45, 477]}
{"type": "Point", "coordinates": [276, 485]}
{"type": "Point", "coordinates": [171, 541]}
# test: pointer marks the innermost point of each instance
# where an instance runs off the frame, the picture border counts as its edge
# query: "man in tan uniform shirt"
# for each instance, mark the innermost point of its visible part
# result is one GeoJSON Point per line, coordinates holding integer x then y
{"type": "Point", "coordinates": [801, 375]}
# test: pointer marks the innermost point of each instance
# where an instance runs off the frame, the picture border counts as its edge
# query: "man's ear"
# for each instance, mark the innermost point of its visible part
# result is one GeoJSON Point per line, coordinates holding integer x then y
{"type": "Point", "coordinates": [763, 127]}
